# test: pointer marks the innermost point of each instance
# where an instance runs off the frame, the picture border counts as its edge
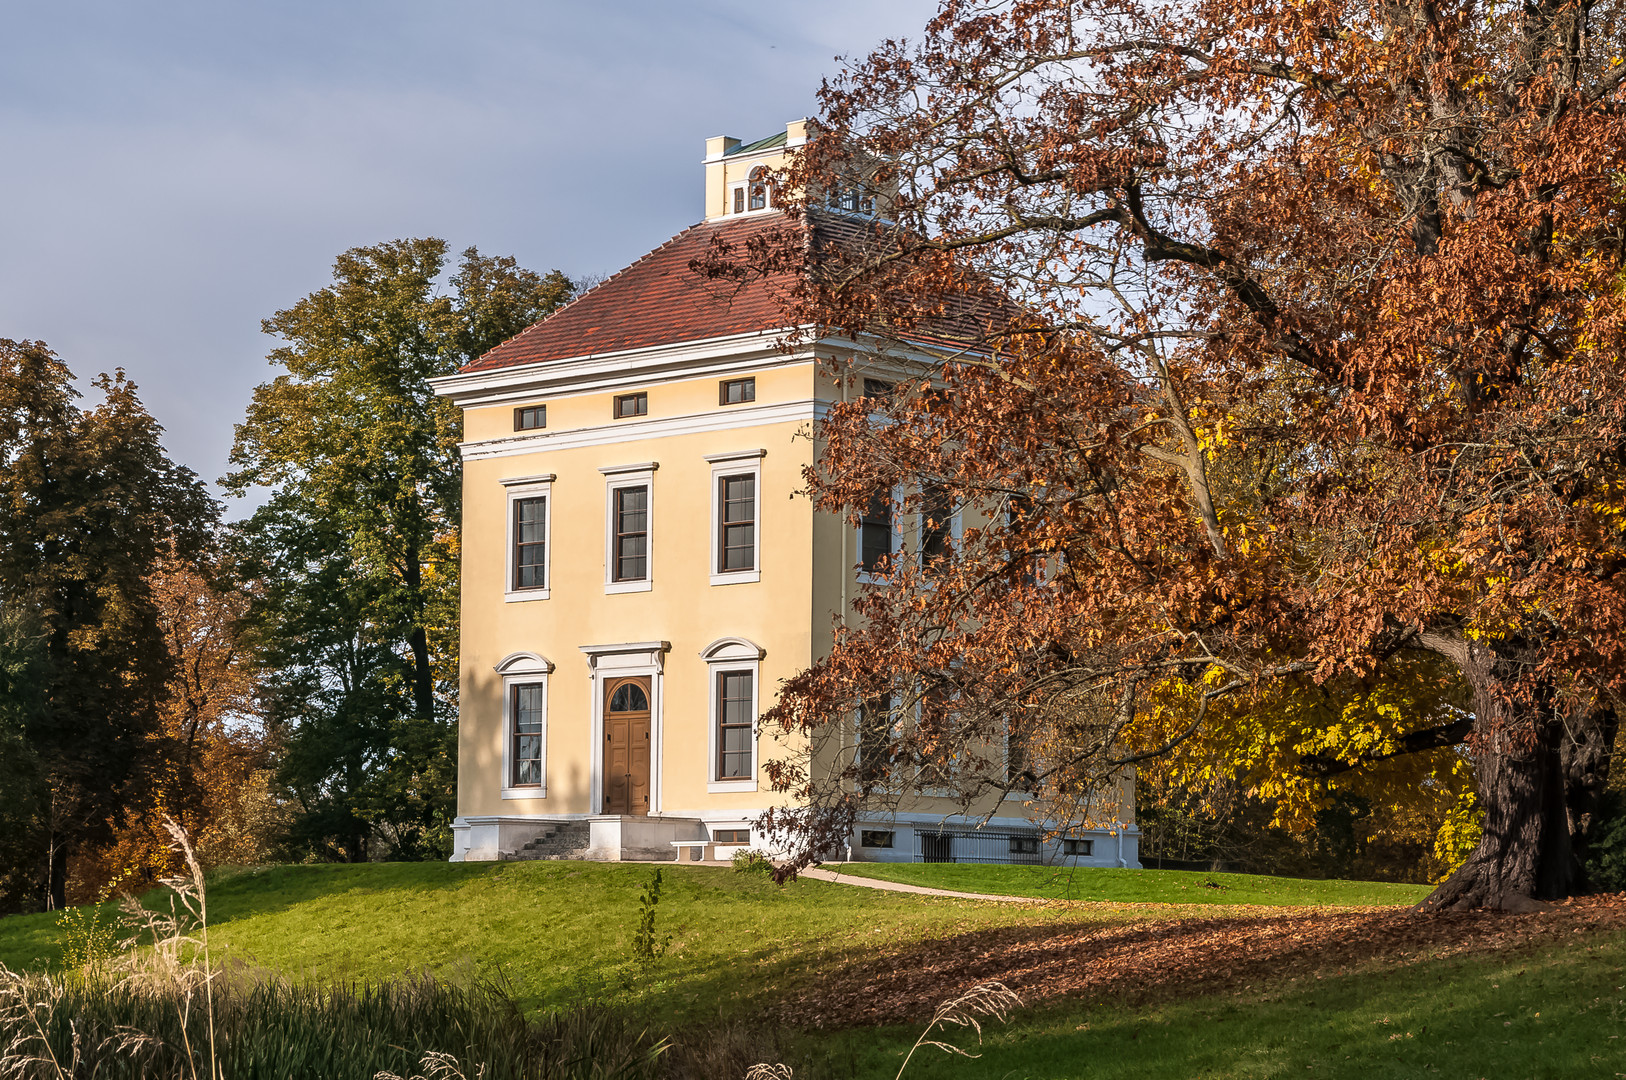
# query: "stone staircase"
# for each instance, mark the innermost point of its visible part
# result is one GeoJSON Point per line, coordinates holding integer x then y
{"type": "Point", "coordinates": [561, 840]}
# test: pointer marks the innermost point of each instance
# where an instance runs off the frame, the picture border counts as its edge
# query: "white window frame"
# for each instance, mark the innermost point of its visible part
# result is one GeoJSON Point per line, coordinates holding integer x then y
{"type": "Point", "coordinates": [738, 463]}
{"type": "Point", "coordinates": [732, 654]}
{"type": "Point", "coordinates": [529, 487]}
{"type": "Point", "coordinates": [523, 669]}
{"type": "Point", "coordinates": [641, 474]}
{"type": "Point", "coordinates": [864, 576]}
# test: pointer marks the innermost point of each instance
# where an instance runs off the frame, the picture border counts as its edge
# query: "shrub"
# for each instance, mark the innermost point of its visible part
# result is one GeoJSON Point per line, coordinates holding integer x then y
{"type": "Point", "coordinates": [752, 862]}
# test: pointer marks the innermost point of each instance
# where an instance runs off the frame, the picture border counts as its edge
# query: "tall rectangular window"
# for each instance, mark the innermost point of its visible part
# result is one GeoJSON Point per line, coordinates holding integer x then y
{"type": "Point", "coordinates": [734, 725]}
{"type": "Point", "coordinates": [737, 523]}
{"type": "Point", "coordinates": [530, 416]}
{"type": "Point", "coordinates": [631, 533]}
{"type": "Point", "coordinates": [530, 543]}
{"type": "Point", "coordinates": [877, 742]}
{"type": "Point", "coordinates": [736, 391]}
{"type": "Point", "coordinates": [526, 753]}
{"type": "Point", "coordinates": [936, 524]}
{"type": "Point", "coordinates": [875, 532]}
{"type": "Point", "coordinates": [631, 405]}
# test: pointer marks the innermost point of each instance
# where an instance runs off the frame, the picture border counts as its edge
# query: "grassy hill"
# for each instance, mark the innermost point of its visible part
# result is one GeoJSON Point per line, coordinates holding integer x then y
{"type": "Point", "coordinates": [560, 933]}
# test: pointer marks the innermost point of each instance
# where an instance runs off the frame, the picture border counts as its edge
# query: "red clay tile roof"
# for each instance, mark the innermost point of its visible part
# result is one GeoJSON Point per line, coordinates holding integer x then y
{"type": "Point", "coordinates": [657, 300]}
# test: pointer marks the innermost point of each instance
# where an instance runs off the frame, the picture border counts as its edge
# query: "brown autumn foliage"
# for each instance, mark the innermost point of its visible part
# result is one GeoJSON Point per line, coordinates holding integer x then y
{"type": "Point", "coordinates": [208, 766]}
{"type": "Point", "coordinates": [1273, 356]}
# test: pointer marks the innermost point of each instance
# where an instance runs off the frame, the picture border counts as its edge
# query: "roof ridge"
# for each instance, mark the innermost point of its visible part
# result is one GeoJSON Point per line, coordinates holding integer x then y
{"type": "Point", "coordinates": [574, 300]}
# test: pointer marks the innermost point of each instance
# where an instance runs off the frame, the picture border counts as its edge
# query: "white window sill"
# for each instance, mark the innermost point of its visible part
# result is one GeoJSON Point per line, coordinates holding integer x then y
{"type": "Point", "coordinates": [538, 792]}
{"type": "Point", "coordinates": [716, 786]}
{"type": "Point", "coordinates": [514, 596]}
{"type": "Point", "coordinates": [737, 577]}
{"type": "Point", "coordinates": [628, 586]}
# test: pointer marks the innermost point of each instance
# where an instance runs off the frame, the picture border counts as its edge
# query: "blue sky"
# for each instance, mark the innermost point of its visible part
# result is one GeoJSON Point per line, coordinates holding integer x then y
{"type": "Point", "coordinates": [175, 172]}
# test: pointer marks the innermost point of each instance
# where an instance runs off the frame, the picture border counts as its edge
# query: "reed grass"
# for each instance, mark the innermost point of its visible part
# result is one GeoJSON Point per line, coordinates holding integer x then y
{"type": "Point", "coordinates": [162, 1008]}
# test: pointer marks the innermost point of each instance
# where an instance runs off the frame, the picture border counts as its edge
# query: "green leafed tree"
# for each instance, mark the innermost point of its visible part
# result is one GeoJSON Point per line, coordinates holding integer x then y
{"type": "Point", "coordinates": [356, 549]}
{"type": "Point", "coordinates": [89, 504]}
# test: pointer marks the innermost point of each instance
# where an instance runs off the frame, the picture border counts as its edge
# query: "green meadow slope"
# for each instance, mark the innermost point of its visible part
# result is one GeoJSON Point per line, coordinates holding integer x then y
{"type": "Point", "coordinates": [559, 933]}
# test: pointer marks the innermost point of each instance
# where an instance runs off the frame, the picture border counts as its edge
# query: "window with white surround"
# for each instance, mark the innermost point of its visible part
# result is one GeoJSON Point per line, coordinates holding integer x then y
{"type": "Point", "coordinates": [629, 515]}
{"type": "Point", "coordinates": [736, 517]}
{"type": "Point", "coordinates": [735, 676]}
{"type": "Point", "coordinates": [525, 725]}
{"type": "Point", "coordinates": [529, 571]}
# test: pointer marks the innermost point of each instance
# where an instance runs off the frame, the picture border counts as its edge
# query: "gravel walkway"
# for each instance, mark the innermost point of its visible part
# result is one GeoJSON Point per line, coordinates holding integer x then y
{"type": "Point", "coordinates": [820, 874]}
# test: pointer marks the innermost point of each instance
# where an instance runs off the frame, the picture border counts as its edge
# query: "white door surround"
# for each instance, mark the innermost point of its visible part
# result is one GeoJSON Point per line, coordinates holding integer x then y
{"type": "Point", "coordinates": [617, 661]}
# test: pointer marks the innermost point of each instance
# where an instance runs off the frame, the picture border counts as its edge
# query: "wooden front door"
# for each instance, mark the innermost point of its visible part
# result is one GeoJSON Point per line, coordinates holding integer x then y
{"type": "Point", "coordinates": [626, 746]}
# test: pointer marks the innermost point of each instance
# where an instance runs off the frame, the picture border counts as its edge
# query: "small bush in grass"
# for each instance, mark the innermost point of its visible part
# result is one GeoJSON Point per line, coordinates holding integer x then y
{"type": "Point", "coordinates": [752, 862]}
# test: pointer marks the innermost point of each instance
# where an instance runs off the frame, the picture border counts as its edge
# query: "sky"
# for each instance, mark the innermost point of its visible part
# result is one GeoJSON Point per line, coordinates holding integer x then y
{"type": "Point", "coordinates": [173, 173]}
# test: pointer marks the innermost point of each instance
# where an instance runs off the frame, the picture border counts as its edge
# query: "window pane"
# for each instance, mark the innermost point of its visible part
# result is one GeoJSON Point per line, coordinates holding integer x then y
{"type": "Point", "coordinates": [936, 513]}
{"type": "Point", "coordinates": [525, 704]}
{"type": "Point", "coordinates": [734, 725]}
{"type": "Point", "coordinates": [631, 533]}
{"type": "Point", "coordinates": [737, 391]}
{"type": "Point", "coordinates": [530, 551]}
{"type": "Point", "coordinates": [737, 502]}
{"type": "Point", "coordinates": [875, 531]}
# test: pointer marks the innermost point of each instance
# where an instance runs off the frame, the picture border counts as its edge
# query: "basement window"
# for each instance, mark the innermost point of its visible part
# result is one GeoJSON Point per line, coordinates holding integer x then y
{"type": "Point", "coordinates": [875, 838]}
{"type": "Point", "coordinates": [731, 836]}
{"type": "Point", "coordinates": [1076, 846]}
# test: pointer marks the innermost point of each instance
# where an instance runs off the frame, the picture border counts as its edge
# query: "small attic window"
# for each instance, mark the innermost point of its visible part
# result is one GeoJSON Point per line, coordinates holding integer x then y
{"type": "Point", "coordinates": [759, 188]}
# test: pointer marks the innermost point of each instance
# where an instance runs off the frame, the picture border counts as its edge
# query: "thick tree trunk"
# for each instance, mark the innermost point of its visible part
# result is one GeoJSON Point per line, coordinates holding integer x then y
{"type": "Point", "coordinates": [1540, 774]}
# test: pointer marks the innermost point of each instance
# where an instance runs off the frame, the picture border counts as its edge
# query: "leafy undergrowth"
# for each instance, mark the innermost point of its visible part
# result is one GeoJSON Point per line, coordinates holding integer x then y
{"type": "Point", "coordinates": [1093, 883]}
{"type": "Point", "coordinates": [1554, 1012]}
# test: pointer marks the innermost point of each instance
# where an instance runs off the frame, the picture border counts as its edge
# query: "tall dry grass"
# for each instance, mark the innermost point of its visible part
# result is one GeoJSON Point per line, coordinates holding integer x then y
{"type": "Point", "coordinates": [161, 1009]}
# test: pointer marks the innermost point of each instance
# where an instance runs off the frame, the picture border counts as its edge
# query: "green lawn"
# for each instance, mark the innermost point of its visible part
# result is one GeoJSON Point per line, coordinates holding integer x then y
{"type": "Point", "coordinates": [1557, 1014]}
{"type": "Point", "coordinates": [557, 931]}
{"type": "Point", "coordinates": [561, 931]}
{"type": "Point", "coordinates": [1137, 886]}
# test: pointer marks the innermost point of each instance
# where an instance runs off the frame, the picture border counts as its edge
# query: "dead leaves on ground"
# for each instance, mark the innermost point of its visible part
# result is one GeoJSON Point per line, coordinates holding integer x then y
{"type": "Point", "coordinates": [1167, 958]}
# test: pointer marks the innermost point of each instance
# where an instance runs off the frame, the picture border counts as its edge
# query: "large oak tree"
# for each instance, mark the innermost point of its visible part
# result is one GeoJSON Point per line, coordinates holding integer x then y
{"type": "Point", "coordinates": [355, 612]}
{"type": "Point", "coordinates": [1276, 354]}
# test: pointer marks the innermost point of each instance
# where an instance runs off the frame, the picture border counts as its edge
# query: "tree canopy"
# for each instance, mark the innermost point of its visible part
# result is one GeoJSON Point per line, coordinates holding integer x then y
{"type": "Point", "coordinates": [356, 549]}
{"type": "Point", "coordinates": [1274, 355]}
{"type": "Point", "coordinates": [90, 505]}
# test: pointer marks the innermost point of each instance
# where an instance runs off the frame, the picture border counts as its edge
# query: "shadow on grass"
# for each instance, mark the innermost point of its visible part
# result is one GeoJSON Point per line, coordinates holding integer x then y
{"type": "Point", "coordinates": [1556, 1012]}
{"type": "Point", "coordinates": [1146, 962]}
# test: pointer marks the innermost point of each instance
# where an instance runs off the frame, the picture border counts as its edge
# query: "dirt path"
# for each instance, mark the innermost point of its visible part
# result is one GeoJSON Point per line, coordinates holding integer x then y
{"type": "Point", "coordinates": [1164, 958]}
{"type": "Point", "coordinates": [819, 874]}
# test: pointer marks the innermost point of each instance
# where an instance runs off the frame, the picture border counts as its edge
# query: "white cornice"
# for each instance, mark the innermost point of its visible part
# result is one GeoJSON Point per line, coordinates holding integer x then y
{"type": "Point", "coordinates": [624, 431]}
{"type": "Point", "coordinates": [622, 369]}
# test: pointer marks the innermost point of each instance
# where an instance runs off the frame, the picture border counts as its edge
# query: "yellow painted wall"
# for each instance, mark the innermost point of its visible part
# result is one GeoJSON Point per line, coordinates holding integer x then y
{"type": "Point", "coordinates": [682, 607]}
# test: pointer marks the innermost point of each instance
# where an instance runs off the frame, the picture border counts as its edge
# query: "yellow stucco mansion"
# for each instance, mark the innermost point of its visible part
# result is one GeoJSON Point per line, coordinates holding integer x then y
{"type": "Point", "coordinates": [637, 577]}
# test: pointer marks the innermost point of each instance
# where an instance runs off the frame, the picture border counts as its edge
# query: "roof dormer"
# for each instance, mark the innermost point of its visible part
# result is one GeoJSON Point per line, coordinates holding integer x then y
{"type": "Point", "coordinates": [737, 173]}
